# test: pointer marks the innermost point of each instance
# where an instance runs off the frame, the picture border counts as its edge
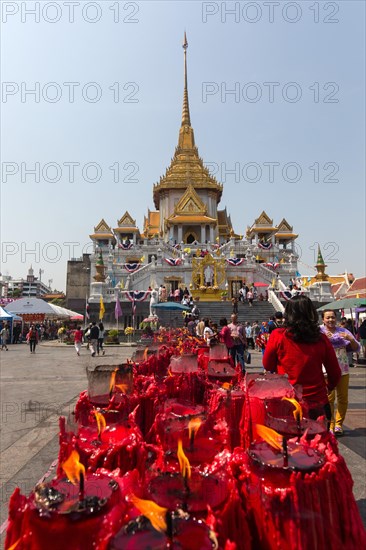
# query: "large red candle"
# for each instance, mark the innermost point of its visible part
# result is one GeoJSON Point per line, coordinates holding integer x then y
{"type": "Point", "coordinates": [170, 490]}
{"type": "Point", "coordinates": [55, 517]}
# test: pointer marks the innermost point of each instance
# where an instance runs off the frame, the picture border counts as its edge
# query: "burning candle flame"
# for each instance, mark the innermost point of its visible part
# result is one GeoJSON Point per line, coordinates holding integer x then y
{"type": "Point", "coordinates": [271, 437]}
{"type": "Point", "coordinates": [155, 513]}
{"type": "Point", "coordinates": [122, 387]}
{"type": "Point", "coordinates": [73, 468]}
{"type": "Point", "coordinates": [145, 353]}
{"type": "Point", "coordinates": [193, 426]}
{"type": "Point", "coordinates": [13, 546]}
{"type": "Point", "coordinates": [227, 386]}
{"type": "Point", "coordinates": [298, 409]}
{"type": "Point", "coordinates": [184, 465]}
{"type": "Point", "coordinates": [170, 372]}
{"type": "Point", "coordinates": [101, 422]}
{"type": "Point", "coordinates": [112, 381]}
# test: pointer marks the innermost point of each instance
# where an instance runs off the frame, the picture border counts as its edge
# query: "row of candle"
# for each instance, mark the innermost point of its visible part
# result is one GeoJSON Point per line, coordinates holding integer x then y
{"type": "Point", "coordinates": [179, 451]}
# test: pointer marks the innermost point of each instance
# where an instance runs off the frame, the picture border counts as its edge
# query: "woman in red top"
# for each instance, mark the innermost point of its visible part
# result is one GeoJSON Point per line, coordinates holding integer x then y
{"type": "Point", "coordinates": [300, 350]}
{"type": "Point", "coordinates": [225, 334]}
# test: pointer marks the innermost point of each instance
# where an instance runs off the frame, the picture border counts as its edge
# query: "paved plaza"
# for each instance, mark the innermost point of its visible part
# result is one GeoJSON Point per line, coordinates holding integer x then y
{"type": "Point", "coordinates": [37, 389]}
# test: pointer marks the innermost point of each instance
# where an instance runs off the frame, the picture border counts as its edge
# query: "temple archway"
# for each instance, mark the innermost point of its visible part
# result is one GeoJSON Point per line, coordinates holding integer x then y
{"type": "Point", "coordinates": [190, 237]}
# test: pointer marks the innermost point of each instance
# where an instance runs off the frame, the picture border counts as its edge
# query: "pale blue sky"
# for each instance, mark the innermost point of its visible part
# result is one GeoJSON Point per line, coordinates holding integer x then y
{"type": "Point", "coordinates": [144, 133]}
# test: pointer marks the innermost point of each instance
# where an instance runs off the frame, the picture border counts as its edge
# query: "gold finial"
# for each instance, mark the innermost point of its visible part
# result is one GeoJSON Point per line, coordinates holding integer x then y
{"type": "Point", "coordinates": [320, 267]}
{"type": "Point", "coordinates": [186, 119]}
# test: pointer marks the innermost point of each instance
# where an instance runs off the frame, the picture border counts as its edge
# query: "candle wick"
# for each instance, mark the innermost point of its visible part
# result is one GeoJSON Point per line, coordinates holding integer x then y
{"type": "Point", "coordinates": [169, 525]}
{"type": "Point", "coordinates": [285, 452]}
{"type": "Point", "coordinates": [81, 486]}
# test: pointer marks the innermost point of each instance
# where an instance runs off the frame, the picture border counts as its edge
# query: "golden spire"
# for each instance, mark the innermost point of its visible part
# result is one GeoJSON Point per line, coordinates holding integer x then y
{"type": "Point", "coordinates": [186, 167]}
{"type": "Point", "coordinates": [186, 119]}
{"type": "Point", "coordinates": [186, 135]}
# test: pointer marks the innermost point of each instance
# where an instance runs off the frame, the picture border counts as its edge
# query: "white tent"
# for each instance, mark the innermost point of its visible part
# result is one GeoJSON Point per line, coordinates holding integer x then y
{"type": "Point", "coordinates": [63, 312]}
{"type": "Point", "coordinates": [34, 306]}
{"type": "Point", "coordinates": [31, 306]}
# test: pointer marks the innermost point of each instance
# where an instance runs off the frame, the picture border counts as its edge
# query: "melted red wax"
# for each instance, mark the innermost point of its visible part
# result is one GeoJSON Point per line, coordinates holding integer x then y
{"type": "Point", "coordinates": [169, 491]}
{"type": "Point", "coordinates": [61, 531]}
{"type": "Point", "coordinates": [297, 510]}
{"type": "Point", "coordinates": [247, 505]}
{"type": "Point", "coordinates": [228, 405]}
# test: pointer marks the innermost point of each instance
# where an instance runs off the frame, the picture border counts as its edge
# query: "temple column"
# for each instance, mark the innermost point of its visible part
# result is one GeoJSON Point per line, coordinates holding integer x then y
{"type": "Point", "coordinates": [203, 234]}
{"type": "Point", "coordinates": [212, 238]}
{"type": "Point", "coordinates": [180, 233]}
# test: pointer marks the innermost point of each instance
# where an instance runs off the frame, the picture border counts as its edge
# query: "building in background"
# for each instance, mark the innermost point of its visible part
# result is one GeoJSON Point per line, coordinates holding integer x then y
{"type": "Point", "coordinates": [31, 286]}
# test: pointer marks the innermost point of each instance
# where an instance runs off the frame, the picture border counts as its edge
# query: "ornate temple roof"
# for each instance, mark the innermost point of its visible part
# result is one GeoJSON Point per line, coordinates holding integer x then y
{"type": "Point", "coordinates": [126, 224]}
{"type": "Point", "coordinates": [357, 288]}
{"type": "Point", "coordinates": [285, 231]}
{"type": "Point", "coordinates": [102, 231]}
{"type": "Point", "coordinates": [186, 166]}
{"type": "Point", "coordinates": [151, 224]}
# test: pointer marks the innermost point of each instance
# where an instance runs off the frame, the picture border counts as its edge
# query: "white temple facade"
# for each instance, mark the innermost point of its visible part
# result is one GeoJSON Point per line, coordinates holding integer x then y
{"type": "Point", "coordinates": [186, 233]}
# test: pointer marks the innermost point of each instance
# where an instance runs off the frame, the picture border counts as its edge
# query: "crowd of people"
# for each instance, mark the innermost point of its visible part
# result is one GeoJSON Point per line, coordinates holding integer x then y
{"type": "Point", "coordinates": [315, 357]}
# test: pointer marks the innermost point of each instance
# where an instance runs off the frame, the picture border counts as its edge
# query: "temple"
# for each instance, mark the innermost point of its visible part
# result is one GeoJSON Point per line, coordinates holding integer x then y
{"type": "Point", "coordinates": [187, 241]}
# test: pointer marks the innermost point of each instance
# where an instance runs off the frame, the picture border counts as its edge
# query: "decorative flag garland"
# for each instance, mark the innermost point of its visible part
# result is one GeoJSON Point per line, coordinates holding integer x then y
{"type": "Point", "coordinates": [272, 265]}
{"type": "Point", "coordinates": [287, 294]}
{"type": "Point", "coordinates": [137, 295]}
{"type": "Point", "coordinates": [132, 267]}
{"type": "Point", "coordinates": [173, 261]}
{"type": "Point", "coordinates": [125, 246]}
{"type": "Point", "coordinates": [265, 246]}
{"type": "Point", "coordinates": [235, 261]}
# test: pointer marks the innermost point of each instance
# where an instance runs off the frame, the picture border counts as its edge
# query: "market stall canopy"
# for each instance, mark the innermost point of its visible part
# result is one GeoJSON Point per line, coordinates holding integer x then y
{"type": "Point", "coordinates": [346, 303]}
{"type": "Point", "coordinates": [6, 316]}
{"type": "Point", "coordinates": [31, 306]}
{"type": "Point", "coordinates": [64, 313]}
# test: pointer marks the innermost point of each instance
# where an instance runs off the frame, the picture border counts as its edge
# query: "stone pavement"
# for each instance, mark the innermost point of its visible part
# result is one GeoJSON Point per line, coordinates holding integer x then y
{"type": "Point", "coordinates": [37, 389]}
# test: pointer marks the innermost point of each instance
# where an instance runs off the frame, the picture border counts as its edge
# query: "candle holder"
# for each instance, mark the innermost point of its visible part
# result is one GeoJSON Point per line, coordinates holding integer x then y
{"type": "Point", "coordinates": [170, 490]}
{"type": "Point", "coordinates": [183, 363]}
{"type": "Point", "coordinates": [293, 456]}
{"type": "Point", "coordinates": [56, 516]}
{"type": "Point", "coordinates": [182, 531]}
{"type": "Point", "coordinates": [220, 370]}
{"type": "Point", "coordinates": [107, 381]}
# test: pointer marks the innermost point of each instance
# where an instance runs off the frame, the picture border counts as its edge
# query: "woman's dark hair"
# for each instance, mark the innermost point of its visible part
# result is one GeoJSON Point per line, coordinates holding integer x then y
{"type": "Point", "coordinates": [223, 322]}
{"type": "Point", "coordinates": [301, 319]}
{"type": "Point", "coordinates": [101, 326]}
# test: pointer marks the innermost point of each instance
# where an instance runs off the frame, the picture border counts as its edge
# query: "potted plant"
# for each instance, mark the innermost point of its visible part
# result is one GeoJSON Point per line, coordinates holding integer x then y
{"type": "Point", "coordinates": [128, 332]}
{"type": "Point", "coordinates": [112, 336]}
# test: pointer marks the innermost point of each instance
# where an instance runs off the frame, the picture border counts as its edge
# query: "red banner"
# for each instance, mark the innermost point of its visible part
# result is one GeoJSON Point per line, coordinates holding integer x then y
{"type": "Point", "coordinates": [33, 317]}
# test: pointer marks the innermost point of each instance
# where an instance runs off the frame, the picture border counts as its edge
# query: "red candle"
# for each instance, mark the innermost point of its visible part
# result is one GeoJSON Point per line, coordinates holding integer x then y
{"type": "Point", "coordinates": [183, 363]}
{"type": "Point", "coordinates": [293, 456]}
{"type": "Point", "coordinates": [170, 490]}
{"type": "Point", "coordinates": [183, 532]}
{"type": "Point", "coordinates": [54, 516]}
{"type": "Point", "coordinates": [116, 446]}
{"type": "Point", "coordinates": [220, 370]}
